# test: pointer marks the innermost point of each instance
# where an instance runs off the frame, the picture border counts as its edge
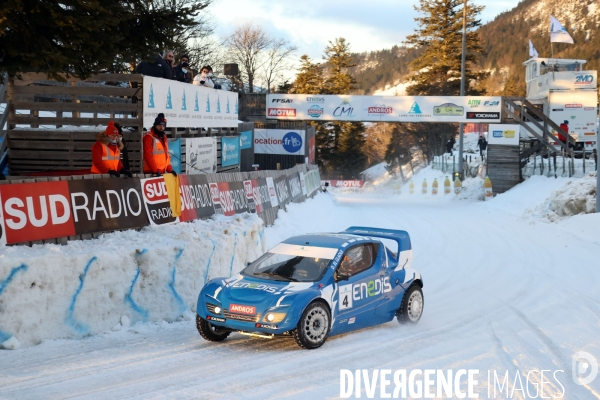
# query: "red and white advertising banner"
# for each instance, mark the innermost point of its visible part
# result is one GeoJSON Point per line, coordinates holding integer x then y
{"type": "Point", "coordinates": [343, 183]}
{"type": "Point", "coordinates": [157, 202]}
{"type": "Point", "coordinates": [35, 211]}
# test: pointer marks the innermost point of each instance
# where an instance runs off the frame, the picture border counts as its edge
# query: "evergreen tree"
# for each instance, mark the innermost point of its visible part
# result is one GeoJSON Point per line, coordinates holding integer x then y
{"type": "Point", "coordinates": [511, 88]}
{"type": "Point", "coordinates": [350, 158]}
{"type": "Point", "coordinates": [80, 38]}
{"type": "Point", "coordinates": [339, 60]}
{"type": "Point", "coordinates": [438, 68]}
{"type": "Point", "coordinates": [309, 79]}
{"type": "Point", "coordinates": [398, 149]}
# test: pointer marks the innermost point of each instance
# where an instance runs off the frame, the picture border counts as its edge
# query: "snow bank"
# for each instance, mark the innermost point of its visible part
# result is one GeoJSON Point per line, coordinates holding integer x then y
{"type": "Point", "coordinates": [577, 196]}
{"type": "Point", "coordinates": [87, 287]}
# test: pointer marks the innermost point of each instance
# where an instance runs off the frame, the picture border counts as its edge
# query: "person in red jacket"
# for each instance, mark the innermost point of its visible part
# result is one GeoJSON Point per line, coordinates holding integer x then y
{"type": "Point", "coordinates": [106, 153]}
{"type": "Point", "coordinates": [565, 127]}
{"type": "Point", "coordinates": [157, 160]}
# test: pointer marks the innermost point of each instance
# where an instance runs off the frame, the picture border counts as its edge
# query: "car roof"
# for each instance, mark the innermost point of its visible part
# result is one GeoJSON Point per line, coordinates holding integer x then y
{"type": "Point", "coordinates": [334, 240]}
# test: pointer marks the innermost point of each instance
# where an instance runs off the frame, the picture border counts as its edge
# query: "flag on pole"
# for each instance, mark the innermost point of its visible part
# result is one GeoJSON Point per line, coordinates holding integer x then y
{"type": "Point", "coordinates": [532, 51]}
{"type": "Point", "coordinates": [558, 34]}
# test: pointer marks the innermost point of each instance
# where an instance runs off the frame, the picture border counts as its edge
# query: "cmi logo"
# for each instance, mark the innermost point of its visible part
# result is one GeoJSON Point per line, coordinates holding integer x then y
{"type": "Point", "coordinates": [584, 79]}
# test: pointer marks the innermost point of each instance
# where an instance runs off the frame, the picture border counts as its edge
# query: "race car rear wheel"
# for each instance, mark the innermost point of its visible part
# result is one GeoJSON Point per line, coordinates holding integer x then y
{"type": "Point", "coordinates": [210, 332]}
{"type": "Point", "coordinates": [314, 325]}
{"type": "Point", "coordinates": [411, 309]}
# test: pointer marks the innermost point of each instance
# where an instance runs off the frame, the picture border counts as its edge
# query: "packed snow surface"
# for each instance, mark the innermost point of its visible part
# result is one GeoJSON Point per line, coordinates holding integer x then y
{"type": "Point", "coordinates": [506, 290]}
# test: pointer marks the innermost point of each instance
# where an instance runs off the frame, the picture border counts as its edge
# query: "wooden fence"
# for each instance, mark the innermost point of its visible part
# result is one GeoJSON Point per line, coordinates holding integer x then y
{"type": "Point", "coordinates": [52, 125]}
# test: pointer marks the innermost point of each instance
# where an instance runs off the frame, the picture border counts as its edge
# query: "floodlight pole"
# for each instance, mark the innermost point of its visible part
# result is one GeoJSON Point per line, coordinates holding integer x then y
{"type": "Point", "coordinates": [462, 90]}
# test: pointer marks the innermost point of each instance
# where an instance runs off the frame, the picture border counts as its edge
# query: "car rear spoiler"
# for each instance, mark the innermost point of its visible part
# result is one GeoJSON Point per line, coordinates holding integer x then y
{"type": "Point", "coordinates": [400, 237]}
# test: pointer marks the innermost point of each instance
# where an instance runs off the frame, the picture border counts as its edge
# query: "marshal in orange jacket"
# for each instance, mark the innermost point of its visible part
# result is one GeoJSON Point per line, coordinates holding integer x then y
{"type": "Point", "coordinates": [156, 154]}
{"type": "Point", "coordinates": [106, 156]}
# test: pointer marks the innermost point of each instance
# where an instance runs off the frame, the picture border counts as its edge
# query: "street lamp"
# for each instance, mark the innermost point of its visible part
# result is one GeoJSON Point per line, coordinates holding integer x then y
{"type": "Point", "coordinates": [462, 90]}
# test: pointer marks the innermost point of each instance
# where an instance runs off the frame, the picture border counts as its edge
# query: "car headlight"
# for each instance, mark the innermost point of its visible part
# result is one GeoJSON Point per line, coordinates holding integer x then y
{"type": "Point", "coordinates": [274, 317]}
{"type": "Point", "coordinates": [217, 310]}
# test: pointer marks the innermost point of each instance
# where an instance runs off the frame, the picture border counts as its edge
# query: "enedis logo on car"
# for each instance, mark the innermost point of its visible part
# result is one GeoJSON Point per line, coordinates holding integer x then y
{"type": "Point", "coordinates": [363, 290]}
{"type": "Point", "coordinates": [257, 286]}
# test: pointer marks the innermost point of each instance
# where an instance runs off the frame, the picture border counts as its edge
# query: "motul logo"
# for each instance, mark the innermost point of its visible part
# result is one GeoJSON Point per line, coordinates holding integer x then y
{"type": "Point", "coordinates": [282, 112]}
{"type": "Point", "coordinates": [381, 110]}
{"type": "Point", "coordinates": [237, 308]}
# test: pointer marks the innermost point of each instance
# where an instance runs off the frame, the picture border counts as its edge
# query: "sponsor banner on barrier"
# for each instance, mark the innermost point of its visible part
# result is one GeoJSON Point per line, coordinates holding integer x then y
{"type": "Point", "coordinates": [303, 183]}
{"type": "Point", "coordinates": [230, 151]}
{"type": "Point", "coordinates": [507, 134]}
{"type": "Point", "coordinates": [195, 195]}
{"type": "Point", "coordinates": [312, 150]}
{"type": "Point", "coordinates": [384, 108]}
{"type": "Point", "coordinates": [35, 211]}
{"type": "Point", "coordinates": [188, 106]}
{"type": "Point", "coordinates": [248, 190]}
{"type": "Point", "coordinates": [246, 140]}
{"type": "Point", "coordinates": [156, 200]}
{"type": "Point", "coordinates": [175, 152]}
{"type": "Point", "coordinates": [295, 185]}
{"type": "Point", "coordinates": [279, 141]}
{"type": "Point", "coordinates": [272, 191]}
{"type": "Point", "coordinates": [200, 155]}
{"type": "Point", "coordinates": [228, 198]}
{"type": "Point", "coordinates": [107, 204]}
{"type": "Point", "coordinates": [343, 183]}
{"type": "Point", "coordinates": [283, 190]}
{"type": "Point", "coordinates": [313, 181]}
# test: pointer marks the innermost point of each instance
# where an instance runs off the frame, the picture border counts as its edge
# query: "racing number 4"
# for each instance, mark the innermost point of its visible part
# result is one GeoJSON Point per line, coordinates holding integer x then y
{"type": "Point", "coordinates": [345, 297]}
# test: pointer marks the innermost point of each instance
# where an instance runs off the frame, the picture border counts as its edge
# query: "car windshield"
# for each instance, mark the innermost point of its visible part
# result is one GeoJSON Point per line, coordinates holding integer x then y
{"type": "Point", "coordinates": [291, 264]}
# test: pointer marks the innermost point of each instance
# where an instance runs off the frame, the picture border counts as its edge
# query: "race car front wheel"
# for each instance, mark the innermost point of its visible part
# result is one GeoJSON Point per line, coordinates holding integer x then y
{"type": "Point", "coordinates": [411, 309]}
{"type": "Point", "coordinates": [210, 332]}
{"type": "Point", "coordinates": [313, 328]}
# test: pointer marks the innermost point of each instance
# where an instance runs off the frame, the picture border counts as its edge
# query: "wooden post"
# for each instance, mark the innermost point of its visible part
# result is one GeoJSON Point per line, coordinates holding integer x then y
{"type": "Point", "coordinates": [74, 99]}
{"type": "Point", "coordinates": [563, 159]}
{"type": "Point", "coordinates": [554, 157]}
{"type": "Point", "coordinates": [534, 164]}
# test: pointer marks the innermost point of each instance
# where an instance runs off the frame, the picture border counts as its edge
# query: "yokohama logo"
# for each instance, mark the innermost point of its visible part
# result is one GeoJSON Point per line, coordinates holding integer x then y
{"type": "Point", "coordinates": [282, 112]}
{"type": "Point", "coordinates": [381, 110]}
{"type": "Point", "coordinates": [236, 308]}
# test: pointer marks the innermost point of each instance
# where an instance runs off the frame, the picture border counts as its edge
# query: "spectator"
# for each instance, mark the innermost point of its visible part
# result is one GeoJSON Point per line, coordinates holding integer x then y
{"type": "Point", "coordinates": [157, 160]}
{"type": "Point", "coordinates": [565, 127]}
{"type": "Point", "coordinates": [106, 153]}
{"type": "Point", "coordinates": [190, 73]}
{"type": "Point", "coordinates": [169, 58]}
{"type": "Point", "coordinates": [205, 77]}
{"type": "Point", "coordinates": [182, 73]}
{"type": "Point", "coordinates": [124, 151]}
{"type": "Point", "coordinates": [449, 146]}
{"type": "Point", "coordinates": [482, 144]}
{"type": "Point", "coordinates": [157, 68]}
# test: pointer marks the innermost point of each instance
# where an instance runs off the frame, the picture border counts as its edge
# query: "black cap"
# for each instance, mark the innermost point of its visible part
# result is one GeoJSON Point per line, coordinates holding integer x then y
{"type": "Point", "coordinates": [160, 120]}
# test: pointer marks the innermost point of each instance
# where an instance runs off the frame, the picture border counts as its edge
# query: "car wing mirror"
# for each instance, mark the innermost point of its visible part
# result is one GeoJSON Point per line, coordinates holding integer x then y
{"type": "Point", "coordinates": [340, 276]}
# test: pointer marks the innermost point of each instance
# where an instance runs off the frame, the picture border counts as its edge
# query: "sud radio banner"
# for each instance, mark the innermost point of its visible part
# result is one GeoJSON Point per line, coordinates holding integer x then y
{"type": "Point", "coordinates": [47, 210]}
{"type": "Point", "coordinates": [279, 141]}
{"type": "Point", "coordinates": [189, 106]}
{"type": "Point", "coordinates": [384, 108]}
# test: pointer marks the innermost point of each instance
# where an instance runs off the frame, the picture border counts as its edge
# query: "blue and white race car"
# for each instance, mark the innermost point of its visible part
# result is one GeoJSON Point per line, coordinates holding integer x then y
{"type": "Point", "coordinates": [313, 286]}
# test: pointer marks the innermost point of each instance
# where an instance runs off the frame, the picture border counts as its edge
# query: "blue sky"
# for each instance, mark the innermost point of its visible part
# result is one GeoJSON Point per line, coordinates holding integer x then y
{"type": "Point", "coordinates": [367, 25]}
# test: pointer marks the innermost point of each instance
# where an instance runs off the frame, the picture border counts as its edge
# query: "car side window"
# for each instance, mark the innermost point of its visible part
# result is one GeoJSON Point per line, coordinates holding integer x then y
{"type": "Point", "coordinates": [358, 258]}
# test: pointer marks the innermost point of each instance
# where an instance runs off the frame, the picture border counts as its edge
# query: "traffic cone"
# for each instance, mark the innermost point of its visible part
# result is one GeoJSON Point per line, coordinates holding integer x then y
{"type": "Point", "coordinates": [457, 185]}
{"type": "Point", "coordinates": [424, 187]}
{"type": "Point", "coordinates": [411, 187]}
{"type": "Point", "coordinates": [434, 186]}
{"type": "Point", "coordinates": [447, 186]}
{"type": "Point", "coordinates": [487, 188]}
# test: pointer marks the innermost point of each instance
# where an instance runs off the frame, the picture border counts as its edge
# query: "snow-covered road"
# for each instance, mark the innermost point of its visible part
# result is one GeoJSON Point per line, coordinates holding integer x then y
{"type": "Point", "coordinates": [504, 291]}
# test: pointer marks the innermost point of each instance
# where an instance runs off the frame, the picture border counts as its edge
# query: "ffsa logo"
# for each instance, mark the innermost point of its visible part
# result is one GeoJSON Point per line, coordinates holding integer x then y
{"type": "Point", "coordinates": [282, 101]}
